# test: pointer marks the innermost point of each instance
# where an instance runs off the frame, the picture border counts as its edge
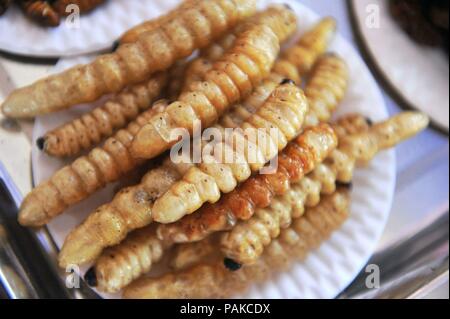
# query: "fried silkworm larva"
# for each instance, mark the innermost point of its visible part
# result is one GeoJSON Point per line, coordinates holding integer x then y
{"type": "Point", "coordinates": [84, 6]}
{"type": "Point", "coordinates": [299, 158]}
{"type": "Point", "coordinates": [4, 5]}
{"type": "Point", "coordinates": [40, 12]}
{"type": "Point", "coordinates": [81, 133]}
{"type": "Point", "coordinates": [154, 51]}
{"type": "Point", "coordinates": [87, 174]}
{"type": "Point", "coordinates": [156, 182]}
{"type": "Point", "coordinates": [232, 78]}
{"type": "Point", "coordinates": [213, 280]}
{"type": "Point", "coordinates": [133, 34]}
{"type": "Point", "coordinates": [246, 242]}
{"type": "Point", "coordinates": [278, 17]}
{"type": "Point", "coordinates": [136, 207]}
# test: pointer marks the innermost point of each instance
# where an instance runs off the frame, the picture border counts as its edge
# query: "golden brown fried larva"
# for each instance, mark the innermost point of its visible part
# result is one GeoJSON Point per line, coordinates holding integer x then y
{"type": "Point", "coordinates": [213, 280]}
{"type": "Point", "coordinates": [81, 133]}
{"type": "Point", "coordinates": [232, 78]}
{"type": "Point", "coordinates": [135, 207]}
{"type": "Point", "coordinates": [84, 5]}
{"type": "Point", "coordinates": [246, 242]}
{"type": "Point", "coordinates": [311, 45]}
{"type": "Point", "coordinates": [155, 183]}
{"type": "Point", "coordinates": [4, 5]}
{"type": "Point", "coordinates": [279, 18]}
{"type": "Point", "coordinates": [40, 12]}
{"type": "Point", "coordinates": [338, 166]}
{"type": "Point", "coordinates": [133, 34]}
{"type": "Point", "coordinates": [298, 159]}
{"type": "Point", "coordinates": [87, 174]}
{"type": "Point", "coordinates": [154, 51]}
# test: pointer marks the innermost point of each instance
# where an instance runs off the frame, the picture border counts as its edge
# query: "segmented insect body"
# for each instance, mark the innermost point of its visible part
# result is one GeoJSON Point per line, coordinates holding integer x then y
{"type": "Point", "coordinates": [133, 34]}
{"type": "Point", "coordinates": [232, 78]}
{"type": "Point", "coordinates": [154, 51]}
{"type": "Point", "coordinates": [338, 166]}
{"type": "Point", "coordinates": [213, 280]}
{"type": "Point", "coordinates": [246, 242]}
{"type": "Point", "coordinates": [4, 5]}
{"type": "Point", "coordinates": [113, 274]}
{"type": "Point", "coordinates": [89, 129]}
{"type": "Point", "coordinates": [40, 11]}
{"type": "Point", "coordinates": [84, 176]}
{"type": "Point", "coordinates": [63, 9]}
{"type": "Point", "coordinates": [132, 207]}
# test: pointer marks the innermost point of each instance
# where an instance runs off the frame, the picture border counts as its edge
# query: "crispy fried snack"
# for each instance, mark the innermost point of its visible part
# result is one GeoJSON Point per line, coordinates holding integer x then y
{"type": "Point", "coordinates": [154, 51]}
{"type": "Point", "coordinates": [246, 242]}
{"type": "Point", "coordinates": [133, 34]}
{"type": "Point", "coordinates": [279, 18]}
{"type": "Point", "coordinates": [81, 133]}
{"type": "Point", "coordinates": [232, 78]}
{"type": "Point", "coordinates": [213, 280]}
{"type": "Point", "coordinates": [155, 183]}
{"type": "Point", "coordinates": [4, 5]}
{"type": "Point", "coordinates": [40, 12]}
{"type": "Point", "coordinates": [258, 192]}
{"type": "Point", "coordinates": [84, 5]}
{"type": "Point", "coordinates": [84, 176]}
{"type": "Point", "coordinates": [326, 88]}
{"type": "Point", "coordinates": [137, 207]}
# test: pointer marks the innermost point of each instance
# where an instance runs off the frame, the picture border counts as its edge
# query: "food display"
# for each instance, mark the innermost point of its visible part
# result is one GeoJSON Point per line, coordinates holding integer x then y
{"type": "Point", "coordinates": [223, 225]}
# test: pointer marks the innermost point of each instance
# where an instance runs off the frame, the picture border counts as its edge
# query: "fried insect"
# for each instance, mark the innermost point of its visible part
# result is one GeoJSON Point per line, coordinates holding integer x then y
{"type": "Point", "coordinates": [137, 207]}
{"type": "Point", "coordinates": [154, 51]}
{"type": "Point", "coordinates": [156, 182]}
{"type": "Point", "coordinates": [213, 280]}
{"type": "Point", "coordinates": [279, 18]}
{"type": "Point", "coordinates": [84, 176]}
{"type": "Point", "coordinates": [326, 88]}
{"type": "Point", "coordinates": [84, 6]}
{"type": "Point", "coordinates": [232, 78]}
{"type": "Point", "coordinates": [4, 5]}
{"type": "Point", "coordinates": [40, 12]}
{"type": "Point", "coordinates": [242, 203]}
{"type": "Point", "coordinates": [246, 242]}
{"type": "Point", "coordinates": [133, 34]}
{"type": "Point", "coordinates": [89, 129]}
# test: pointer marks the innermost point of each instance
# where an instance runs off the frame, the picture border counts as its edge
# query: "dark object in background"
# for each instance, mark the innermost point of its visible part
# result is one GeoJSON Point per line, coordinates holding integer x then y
{"type": "Point", "coordinates": [4, 5]}
{"type": "Point", "coordinates": [84, 5]}
{"type": "Point", "coordinates": [40, 11]}
{"type": "Point", "coordinates": [426, 21]}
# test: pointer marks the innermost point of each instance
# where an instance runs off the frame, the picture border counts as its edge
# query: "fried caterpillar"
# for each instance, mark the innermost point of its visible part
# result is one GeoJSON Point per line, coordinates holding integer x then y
{"type": "Point", "coordinates": [81, 133]}
{"type": "Point", "coordinates": [74, 182]}
{"type": "Point", "coordinates": [136, 207]}
{"type": "Point", "coordinates": [329, 69]}
{"type": "Point", "coordinates": [85, 6]}
{"type": "Point", "coordinates": [232, 78]}
{"type": "Point", "coordinates": [133, 34]}
{"type": "Point", "coordinates": [279, 18]}
{"type": "Point", "coordinates": [154, 51]}
{"type": "Point", "coordinates": [40, 12]}
{"type": "Point", "coordinates": [213, 280]}
{"type": "Point", "coordinates": [283, 113]}
{"type": "Point", "coordinates": [112, 274]}
{"type": "Point", "coordinates": [246, 242]}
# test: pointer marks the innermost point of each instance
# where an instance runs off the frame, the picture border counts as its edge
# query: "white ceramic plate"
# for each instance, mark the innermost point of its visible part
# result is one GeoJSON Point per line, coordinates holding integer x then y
{"type": "Point", "coordinates": [97, 30]}
{"type": "Point", "coordinates": [419, 74]}
{"type": "Point", "coordinates": [330, 269]}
